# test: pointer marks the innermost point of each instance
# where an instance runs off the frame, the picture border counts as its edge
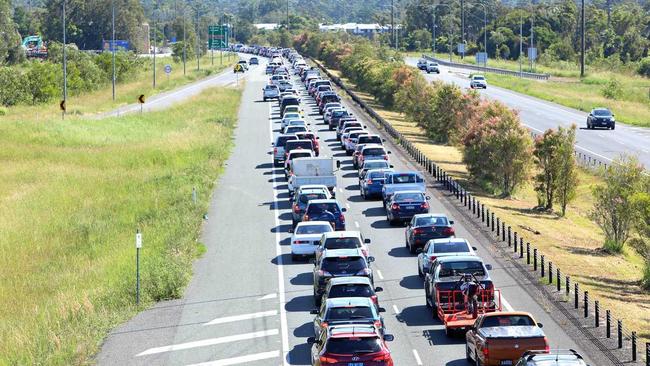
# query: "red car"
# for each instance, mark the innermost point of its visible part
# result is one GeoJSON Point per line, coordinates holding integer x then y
{"type": "Point", "coordinates": [354, 344]}
{"type": "Point", "coordinates": [314, 140]}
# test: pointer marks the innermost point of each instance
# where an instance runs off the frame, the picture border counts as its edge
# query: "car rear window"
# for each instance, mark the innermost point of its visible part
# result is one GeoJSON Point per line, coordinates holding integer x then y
{"type": "Point", "coordinates": [315, 209]}
{"type": "Point", "coordinates": [353, 345]}
{"type": "Point", "coordinates": [313, 229]}
{"type": "Point", "coordinates": [409, 197]}
{"type": "Point", "coordinates": [373, 151]}
{"type": "Point", "coordinates": [454, 269]}
{"type": "Point", "coordinates": [306, 197]}
{"type": "Point", "coordinates": [350, 290]}
{"type": "Point", "coordinates": [349, 265]}
{"type": "Point", "coordinates": [377, 175]}
{"type": "Point", "coordinates": [342, 243]}
{"type": "Point", "coordinates": [305, 154]}
{"type": "Point", "coordinates": [294, 129]}
{"type": "Point", "coordinates": [349, 312]}
{"type": "Point", "coordinates": [339, 113]}
{"type": "Point", "coordinates": [407, 178]}
{"type": "Point", "coordinates": [507, 321]}
{"type": "Point", "coordinates": [451, 247]}
{"type": "Point", "coordinates": [282, 140]}
{"type": "Point", "coordinates": [370, 140]}
{"type": "Point", "coordinates": [432, 221]}
{"type": "Point", "coordinates": [292, 145]}
{"type": "Point", "coordinates": [375, 165]}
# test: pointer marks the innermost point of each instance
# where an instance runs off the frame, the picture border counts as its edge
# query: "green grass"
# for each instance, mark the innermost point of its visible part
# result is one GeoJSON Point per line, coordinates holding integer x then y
{"type": "Point", "coordinates": [72, 194]}
{"type": "Point", "coordinates": [88, 104]}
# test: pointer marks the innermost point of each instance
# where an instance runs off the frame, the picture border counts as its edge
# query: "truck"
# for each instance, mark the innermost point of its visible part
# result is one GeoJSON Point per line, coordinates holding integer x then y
{"type": "Point", "coordinates": [402, 181]}
{"type": "Point", "coordinates": [501, 338]}
{"type": "Point", "coordinates": [34, 47]}
{"type": "Point", "coordinates": [318, 170]}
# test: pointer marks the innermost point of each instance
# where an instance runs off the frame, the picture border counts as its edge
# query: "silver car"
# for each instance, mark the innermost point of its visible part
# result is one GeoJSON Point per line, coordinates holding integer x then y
{"type": "Point", "coordinates": [271, 92]}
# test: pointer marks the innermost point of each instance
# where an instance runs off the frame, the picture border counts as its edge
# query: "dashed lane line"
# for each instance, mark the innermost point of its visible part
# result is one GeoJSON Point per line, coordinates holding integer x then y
{"type": "Point", "coordinates": [240, 359]}
{"type": "Point", "coordinates": [236, 318]}
{"type": "Point", "coordinates": [208, 342]}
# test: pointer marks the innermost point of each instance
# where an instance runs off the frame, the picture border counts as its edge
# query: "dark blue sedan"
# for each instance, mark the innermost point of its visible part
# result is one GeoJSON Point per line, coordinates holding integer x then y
{"type": "Point", "coordinates": [325, 210]}
{"type": "Point", "coordinates": [372, 182]}
{"type": "Point", "coordinates": [403, 205]}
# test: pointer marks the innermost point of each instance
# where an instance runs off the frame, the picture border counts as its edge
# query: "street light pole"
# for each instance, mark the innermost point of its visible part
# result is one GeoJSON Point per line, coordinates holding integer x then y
{"type": "Point", "coordinates": [288, 26]}
{"type": "Point", "coordinates": [113, 47]}
{"type": "Point", "coordinates": [582, 39]}
{"type": "Point", "coordinates": [154, 48]}
{"type": "Point", "coordinates": [198, 42]}
{"type": "Point", "coordinates": [65, 61]}
{"type": "Point", "coordinates": [184, 42]}
{"type": "Point", "coordinates": [521, 40]}
{"type": "Point", "coordinates": [462, 27]}
{"type": "Point", "coordinates": [392, 22]}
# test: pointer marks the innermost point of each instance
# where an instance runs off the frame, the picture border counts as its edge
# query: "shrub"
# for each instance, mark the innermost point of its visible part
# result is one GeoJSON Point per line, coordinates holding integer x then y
{"type": "Point", "coordinates": [43, 81]}
{"type": "Point", "coordinates": [14, 87]}
{"type": "Point", "coordinates": [613, 89]}
{"type": "Point", "coordinates": [644, 67]}
{"type": "Point", "coordinates": [127, 64]}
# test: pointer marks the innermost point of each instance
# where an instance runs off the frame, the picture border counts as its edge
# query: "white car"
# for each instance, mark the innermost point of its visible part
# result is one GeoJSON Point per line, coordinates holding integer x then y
{"type": "Point", "coordinates": [288, 117]}
{"type": "Point", "coordinates": [290, 130]}
{"type": "Point", "coordinates": [435, 248]}
{"type": "Point", "coordinates": [349, 239]}
{"type": "Point", "coordinates": [478, 81]}
{"type": "Point", "coordinates": [306, 237]}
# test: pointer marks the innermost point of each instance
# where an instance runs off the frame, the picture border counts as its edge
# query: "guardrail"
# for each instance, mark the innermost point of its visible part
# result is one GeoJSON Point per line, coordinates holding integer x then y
{"type": "Point", "coordinates": [528, 75]}
{"type": "Point", "coordinates": [585, 313]}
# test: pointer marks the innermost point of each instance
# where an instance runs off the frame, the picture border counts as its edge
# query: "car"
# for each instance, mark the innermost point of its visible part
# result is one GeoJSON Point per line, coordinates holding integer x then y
{"type": "Point", "coordinates": [243, 63]}
{"type": "Point", "coordinates": [326, 210]}
{"type": "Point", "coordinates": [478, 81]}
{"type": "Point", "coordinates": [291, 91]}
{"type": "Point", "coordinates": [293, 145]}
{"type": "Point", "coordinates": [278, 147]}
{"type": "Point", "coordinates": [269, 69]}
{"type": "Point", "coordinates": [254, 61]}
{"type": "Point", "coordinates": [372, 183]}
{"type": "Point", "coordinates": [432, 67]}
{"type": "Point", "coordinates": [314, 140]}
{"type": "Point", "coordinates": [287, 101]}
{"type": "Point", "coordinates": [351, 345]}
{"type": "Point", "coordinates": [372, 152]}
{"type": "Point", "coordinates": [351, 141]}
{"type": "Point", "coordinates": [330, 106]}
{"type": "Point", "coordinates": [444, 273]}
{"type": "Point", "coordinates": [295, 154]}
{"type": "Point", "coordinates": [270, 91]}
{"type": "Point", "coordinates": [436, 248]}
{"type": "Point", "coordinates": [373, 164]}
{"type": "Point", "coordinates": [402, 181]}
{"type": "Point", "coordinates": [425, 227]}
{"type": "Point", "coordinates": [351, 287]}
{"type": "Point", "coordinates": [347, 131]}
{"type": "Point", "coordinates": [601, 117]}
{"type": "Point", "coordinates": [403, 205]}
{"type": "Point", "coordinates": [294, 109]}
{"type": "Point", "coordinates": [346, 311]}
{"type": "Point", "coordinates": [553, 357]}
{"type": "Point", "coordinates": [336, 116]}
{"type": "Point", "coordinates": [501, 338]}
{"type": "Point", "coordinates": [371, 139]}
{"type": "Point", "coordinates": [284, 85]}
{"type": "Point", "coordinates": [342, 240]}
{"type": "Point", "coordinates": [422, 64]}
{"type": "Point", "coordinates": [306, 236]}
{"type": "Point", "coordinates": [339, 263]}
{"type": "Point", "coordinates": [289, 117]}
{"type": "Point", "coordinates": [302, 197]}
{"type": "Point", "coordinates": [295, 123]}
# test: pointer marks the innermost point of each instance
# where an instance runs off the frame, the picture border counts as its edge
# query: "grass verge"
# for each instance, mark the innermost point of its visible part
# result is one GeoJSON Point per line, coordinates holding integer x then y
{"type": "Point", "coordinates": [72, 194]}
{"type": "Point", "coordinates": [572, 242]}
{"type": "Point", "coordinates": [126, 92]}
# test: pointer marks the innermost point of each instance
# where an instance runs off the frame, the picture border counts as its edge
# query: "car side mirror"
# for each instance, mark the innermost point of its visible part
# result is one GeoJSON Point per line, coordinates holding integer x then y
{"type": "Point", "coordinates": [383, 140]}
{"type": "Point", "coordinates": [428, 198]}
{"type": "Point", "coordinates": [290, 230]}
{"type": "Point", "coordinates": [474, 248]}
{"type": "Point", "coordinates": [366, 241]}
{"type": "Point", "coordinates": [392, 166]}
{"type": "Point", "coordinates": [451, 222]}
{"type": "Point", "coordinates": [379, 289]}
{"type": "Point", "coordinates": [313, 311]}
{"type": "Point", "coordinates": [389, 337]}
{"type": "Point", "coordinates": [390, 152]}
{"type": "Point", "coordinates": [540, 325]}
{"type": "Point", "coordinates": [382, 310]}
{"type": "Point", "coordinates": [344, 209]}
{"type": "Point", "coordinates": [317, 138]}
{"type": "Point", "coordinates": [489, 267]}
{"type": "Point", "coordinates": [272, 143]}
{"type": "Point", "coordinates": [371, 259]}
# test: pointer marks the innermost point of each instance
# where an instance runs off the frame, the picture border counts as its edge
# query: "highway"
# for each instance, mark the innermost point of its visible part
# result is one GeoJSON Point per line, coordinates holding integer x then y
{"type": "Point", "coordinates": [248, 303]}
{"type": "Point", "coordinates": [539, 115]}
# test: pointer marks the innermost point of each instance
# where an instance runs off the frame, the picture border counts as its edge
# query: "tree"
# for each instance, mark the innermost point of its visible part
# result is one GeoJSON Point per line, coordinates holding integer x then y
{"type": "Point", "coordinates": [567, 179]}
{"type": "Point", "coordinates": [613, 209]}
{"type": "Point", "coordinates": [10, 43]}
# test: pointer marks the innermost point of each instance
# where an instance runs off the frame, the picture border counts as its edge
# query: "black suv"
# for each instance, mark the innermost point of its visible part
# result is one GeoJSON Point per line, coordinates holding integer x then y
{"type": "Point", "coordinates": [339, 263]}
{"type": "Point", "coordinates": [601, 117]}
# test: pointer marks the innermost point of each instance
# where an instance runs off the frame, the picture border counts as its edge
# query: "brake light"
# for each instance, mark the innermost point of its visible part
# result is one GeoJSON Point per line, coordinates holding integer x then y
{"type": "Point", "coordinates": [296, 208]}
{"type": "Point", "coordinates": [323, 325]}
{"type": "Point", "coordinates": [342, 218]}
{"type": "Point", "coordinates": [305, 218]}
{"type": "Point", "coordinates": [418, 231]}
{"type": "Point", "coordinates": [301, 242]}
{"type": "Point", "coordinates": [486, 351]}
{"type": "Point", "coordinates": [374, 299]}
{"type": "Point", "coordinates": [432, 257]}
{"type": "Point", "coordinates": [449, 231]}
{"type": "Point", "coordinates": [382, 357]}
{"type": "Point", "coordinates": [385, 157]}
{"type": "Point", "coordinates": [425, 205]}
{"type": "Point", "coordinates": [547, 347]}
{"type": "Point", "coordinates": [394, 207]}
{"type": "Point", "coordinates": [324, 360]}
{"type": "Point", "coordinates": [378, 324]}
{"type": "Point", "coordinates": [369, 181]}
{"type": "Point", "coordinates": [275, 150]}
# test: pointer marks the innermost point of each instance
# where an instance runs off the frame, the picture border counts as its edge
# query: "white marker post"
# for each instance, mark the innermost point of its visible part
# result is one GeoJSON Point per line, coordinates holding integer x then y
{"type": "Point", "coordinates": [138, 245]}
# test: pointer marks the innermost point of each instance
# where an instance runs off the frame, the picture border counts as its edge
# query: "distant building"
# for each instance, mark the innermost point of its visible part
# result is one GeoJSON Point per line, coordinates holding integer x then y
{"type": "Point", "coordinates": [267, 26]}
{"type": "Point", "coordinates": [359, 29]}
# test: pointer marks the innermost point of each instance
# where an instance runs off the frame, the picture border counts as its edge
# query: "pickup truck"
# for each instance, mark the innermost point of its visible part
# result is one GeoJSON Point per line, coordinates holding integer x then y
{"type": "Point", "coordinates": [402, 181]}
{"type": "Point", "coordinates": [313, 171]}
{"type": "Point", "coordinates": [501, 338]}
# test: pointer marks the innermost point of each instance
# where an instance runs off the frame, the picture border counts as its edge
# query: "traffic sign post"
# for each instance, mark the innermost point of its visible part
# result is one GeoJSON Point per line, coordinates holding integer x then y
{"type": "Point", "coordinates": [62, 107]}
{"type": "Point", "coordinates": [481, 58]}
{"type": "Point", "coordinates": [461, 48]}
{"type": "Point", "coordinates": [217, 37]}
{"type": "Point", "coordinates": [141, 101]}
{"type": "Point", "coordinates": [138, 246]}
{"type": "Point", "coordinates": [168, 70]}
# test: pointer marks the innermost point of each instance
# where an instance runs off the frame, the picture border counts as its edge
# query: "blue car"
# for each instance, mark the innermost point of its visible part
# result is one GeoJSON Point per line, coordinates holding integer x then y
{"type": "Point", "coordinates": [403, 205]}
{"type": "Point", "coordinates": [301, 201]}
{"type": "Point", "coordinates": [326, 210]}
{"type": "Point", "coordinates": [372, 182]}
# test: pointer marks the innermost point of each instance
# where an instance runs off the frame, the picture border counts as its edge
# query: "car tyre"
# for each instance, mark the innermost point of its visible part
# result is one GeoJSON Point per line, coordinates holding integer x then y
{"type": "Point", "coordinates": [468, 355]}
{"type": "Point", "coordinates": [477, 362]}
{"type": "Point", "coordinates": [294, 258]}
{"type": "Point", "coordinates": [613, 127]}
{"type": "Point", "coordinates": [420, 273]}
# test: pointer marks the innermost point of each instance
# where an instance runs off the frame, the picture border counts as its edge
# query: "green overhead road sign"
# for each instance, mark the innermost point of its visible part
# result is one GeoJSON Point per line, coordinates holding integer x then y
{"type": "Point", "coordinates": [217, 37]}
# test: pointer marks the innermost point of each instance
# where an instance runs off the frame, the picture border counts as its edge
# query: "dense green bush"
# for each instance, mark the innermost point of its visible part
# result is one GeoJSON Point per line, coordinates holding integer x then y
{"type": "Point", "coordinates": [177, 52]}
{"type": "Point", "coordinates": [13, 87]}
{"type": "Point", "coordinates": [613, 89]}
{"type": "Point", "coordinates": [644, 67]}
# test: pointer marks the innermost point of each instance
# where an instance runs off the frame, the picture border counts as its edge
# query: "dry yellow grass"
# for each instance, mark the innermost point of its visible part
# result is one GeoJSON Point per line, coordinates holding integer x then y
{"type": "Point", "coordinates": [571, 242]}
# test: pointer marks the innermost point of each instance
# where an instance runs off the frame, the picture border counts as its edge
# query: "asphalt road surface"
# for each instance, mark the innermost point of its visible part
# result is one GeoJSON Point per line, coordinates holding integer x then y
{"type": "Point", "coordinates": [539, 115]}
{"type": "Point", "coordinates": [248, 302]}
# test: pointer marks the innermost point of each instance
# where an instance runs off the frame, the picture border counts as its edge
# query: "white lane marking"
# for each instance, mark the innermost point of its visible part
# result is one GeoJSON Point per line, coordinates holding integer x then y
{"type": "Point", "coordinates": [347, 205]}
{"type": "Point", "coordinates": [278, 252]}
{"type": "Point", "coordinates": [240, 359]}
{"type": "Point", "coordinates": [236, 318]}
{"type": "Point", "coordinates": [417, 357]}
{"type": "Point", "coordinates": [269, 296]}
{"type": "Point", "coordinates": [356, 223]}
{"type": "Point", "coordinates": [396, 309]}
{"type": "Point", "coordinates": [341, 190]}
{"type": "Point", "coordinates": [381, 276]}
{"type": "Point", "coordinates": [208, 342]}
{"type": "Point", "coordinates": [506, 304]}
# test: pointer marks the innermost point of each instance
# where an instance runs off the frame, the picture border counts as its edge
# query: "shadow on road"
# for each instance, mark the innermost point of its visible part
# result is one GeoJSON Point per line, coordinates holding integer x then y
{"type": "Point", "coordinates": [400, 252]}
{"type": "Point", "coordinates": [304, 331]}
{"type": "Point", "coordinates": [303, 303]}
{"type": "Point", "coordinates": [300, 354]}
{"type": "Point", "coordinates": [281, 228]}
{"type": "Point", "coordinates": [416, 316]}
{"type": "Point", "coordinates": [412, 282]}
{"type": "Point", "coordinates": [375, 212]}
{"type": "Point", "coordinates": [304, 279]}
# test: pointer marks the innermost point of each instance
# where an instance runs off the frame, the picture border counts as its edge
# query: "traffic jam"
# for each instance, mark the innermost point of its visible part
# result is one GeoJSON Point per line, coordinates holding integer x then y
{"type": "Point", "coordinates": [348, 318]}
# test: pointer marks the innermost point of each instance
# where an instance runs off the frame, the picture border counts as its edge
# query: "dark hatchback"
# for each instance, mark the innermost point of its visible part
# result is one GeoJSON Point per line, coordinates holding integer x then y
{"type": "Point", "coordinates": [406, 204]}
{"type": "Point", "coordinates": [339, 263]}
{"type": "Point", "coordinates": [425, 227]}
{"type": "Point", "coordinates": [601, 117]}
{"type": "Point", "coordinates": [325, 210]}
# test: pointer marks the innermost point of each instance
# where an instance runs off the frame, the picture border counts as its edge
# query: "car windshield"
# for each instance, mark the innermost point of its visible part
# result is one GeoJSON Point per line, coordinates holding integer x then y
{"type": "Point", "coordinates": [407, 178]}
{"type": "Point", "coordinates": [454, 269]}
{"type": "Point", "coordinates": [373, 151]}
{"type": "Point", "coordinates": [353, 345]}
{"type": "Point", "coordinates": [315, 209]}
{"type": "Point", "coordinates": [479, 78]}
{"type": "Point", "coordinates": [342, 243]}
{"type": "Point", "coordinates": [451, 247]}
{"type": "Point", "coordinates": [507, 321]}
{"type": "Point", "coordinates": [431, 221]}
{"type": "Point", "coordinates": [306, 197]}
{"type": "Point", "coordinates": [313, 229]}
{"type": "Point", "coordinates": [349, 265]}
{"type": "Point", "coordinates": [409, 197]}
{"type": "Point", "coordinates": [349, 312]}
{"type": "Point", "coordinates": [602, 112]}
{"type": "Point", "coordinates": [349, 290]}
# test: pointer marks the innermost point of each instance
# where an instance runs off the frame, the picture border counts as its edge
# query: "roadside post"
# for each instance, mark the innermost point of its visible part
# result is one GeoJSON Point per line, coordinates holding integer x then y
{"type": "Point", "coordinates": [647, 353]}
{"type": "Point", "coordinates": [168, 70]}
{"type": "Point", "coordinates": [138, 246]}
{"type": "Point", "coordinates": [62, 107]}
{"type": "Point", "coordinates": [141, 101]}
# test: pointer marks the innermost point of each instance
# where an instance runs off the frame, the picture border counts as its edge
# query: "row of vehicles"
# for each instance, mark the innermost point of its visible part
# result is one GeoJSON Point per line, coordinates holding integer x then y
{"type": "Point", "coordinates": [348, 326]}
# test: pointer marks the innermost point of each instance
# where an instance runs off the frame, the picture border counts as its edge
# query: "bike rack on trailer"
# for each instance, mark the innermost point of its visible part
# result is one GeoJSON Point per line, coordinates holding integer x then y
{"type": "Point", "coordinates": [453, 313]}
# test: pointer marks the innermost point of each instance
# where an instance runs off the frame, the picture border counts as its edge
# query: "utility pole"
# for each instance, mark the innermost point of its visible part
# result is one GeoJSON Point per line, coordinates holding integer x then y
{"type": "Point", "coordinates": [154, 47]}
{"type": "Point", "coordinates": [521, 41]}
{"type": "Point", "coordinates": [582, 39]}
{"type": "Point", "coordinates": [113, 47]}
{"type": "Point", "coordinates": [462, 27]}
{"type": "Point", "coordinates": [433, 29]}
{"type": "Point", "coordinates": [532, 43]}
{"type": "Point", "coordinates": [392, 22]}
{"type": "Point", "coordinates": [288, 25]}
{"type": "Point", "coordinates": [485, 34]}
{"type": "Point", "coordinates": [184, 42]}
{"type": "Point", "coordinates": [198, 42]}
{"type": "Point", "coordinates": [65, 61]}
{"type": "Point", "coordinates": [609, 12]}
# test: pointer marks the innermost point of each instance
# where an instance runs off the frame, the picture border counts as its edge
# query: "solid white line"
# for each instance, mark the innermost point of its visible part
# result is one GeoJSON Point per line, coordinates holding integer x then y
{"type": "Point", "coordinates": [381, 276]}
{"type": "Point", "coordinates": [396, 309]}
{"type": "Point", "coordinates": [278, 252]}
{"type": "Point", "coordinates": [236, 318]}
{"type": "Point", "coordinates": [208, 342]}
{"type": "Point", "coordinates": [347, 205]}
{"type": "Point", "coordinates": [269, 296]}
{"type": "Point", "coordinates": [341, 190]}
{"type": "Point", "coordinates": [240, 359]}
{"type": "Point", "coordinates": [417, 357]}
{"type": "Point", "coordinates": [356, 223]}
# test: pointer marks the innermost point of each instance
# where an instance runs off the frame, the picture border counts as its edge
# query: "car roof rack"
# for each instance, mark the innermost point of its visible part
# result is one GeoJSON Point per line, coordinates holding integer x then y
{"type": "Point", "coordinates": [529, 355]}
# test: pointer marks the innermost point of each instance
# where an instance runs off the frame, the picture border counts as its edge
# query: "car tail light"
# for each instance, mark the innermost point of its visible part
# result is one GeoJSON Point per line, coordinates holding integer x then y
{"type": "Point", "coordinates": [425, 205]}
{"type": "Point", "coordinates": [385, 157]}
{"type": "Point", "coordinates": [382, 357]}
{"type": "Point", "coordinates": [364, 252]}
{"type": "Point", "coordinates": [486, 351]}
{"type": "Point", "coordinates": [301, 242]}
{"type": "Point", "coordinates": [394, 207]}
{"type": "Point", "coordinates": [342, 218]}
{"type": "Point", "coordinates": [322, 273]}
{"type": "Point", "coordinates": [547, 347]}
{"type": "Point", "coordinates": [449, 231]}
{"type": "Point", "coordinates": [432, 258]}
{"type": "Point", "coordinates": [323, 325]}
{"type": "Point", "coordinates": [305, 218]}
{"type": "Point", "coordinates": [275, 150]}
{"type": "Point", "coordinates": [369, 181]}
{"type": "Point", "coordinates": [374, 299]}
{"type": "Point", "coordinates": [324, 360]}
{"type": "Point", "coordinates": [418, 231]}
